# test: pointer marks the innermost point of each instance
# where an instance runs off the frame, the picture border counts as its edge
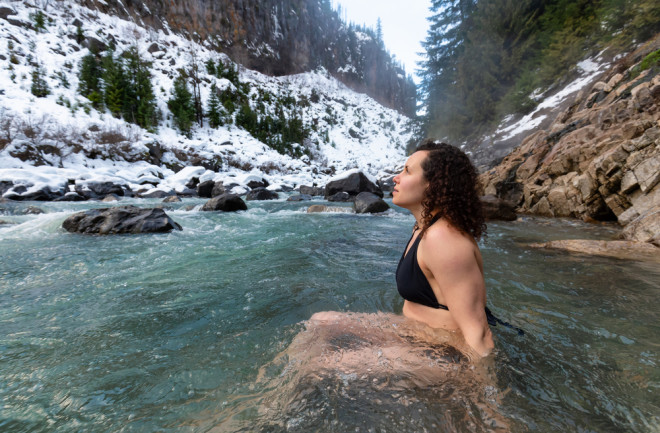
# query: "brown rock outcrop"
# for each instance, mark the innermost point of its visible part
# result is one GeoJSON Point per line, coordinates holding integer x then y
{"type": "Point", "coordinates": [599, 160]}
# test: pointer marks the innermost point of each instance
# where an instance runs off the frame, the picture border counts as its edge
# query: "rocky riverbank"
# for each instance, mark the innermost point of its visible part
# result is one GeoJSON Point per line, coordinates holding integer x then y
{"type": "Point", "coordinates": [600, 158]}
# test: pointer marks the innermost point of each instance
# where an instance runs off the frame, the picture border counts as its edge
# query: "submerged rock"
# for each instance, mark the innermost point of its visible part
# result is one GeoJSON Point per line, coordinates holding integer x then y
{"type": "Point", "coordinates": [628, 250]}
{"type": "Point", "coordinates": [116, 220]}
{"type": "Point", "coordinates": [316, 208]}
{"type": "Point", "coordinates": [225, 203]}
{"type": "Point", "coordinates": [367, 202]}
{"type": "Point", "coordinates": [172, 199]}
{"type": "Point", "coordinates": [299, 197]}
{"type": "Point", "coordinates": [110, 198]}
{"type": "Point", "coordinates": [32, 210]}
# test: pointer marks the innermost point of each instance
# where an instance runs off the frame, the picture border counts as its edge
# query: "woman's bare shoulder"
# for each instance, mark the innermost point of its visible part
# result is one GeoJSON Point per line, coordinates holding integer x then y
{"type": "Point", "coordinates": [443, 232]}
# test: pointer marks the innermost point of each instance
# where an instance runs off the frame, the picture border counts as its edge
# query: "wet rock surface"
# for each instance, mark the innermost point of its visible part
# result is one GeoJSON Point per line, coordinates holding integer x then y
{"type": "Point", "coordinates": [118, 220]}
{"type": "Point", "coordinates": [225, 203]}
{"type": "Point", "coordinates": [366, 202]}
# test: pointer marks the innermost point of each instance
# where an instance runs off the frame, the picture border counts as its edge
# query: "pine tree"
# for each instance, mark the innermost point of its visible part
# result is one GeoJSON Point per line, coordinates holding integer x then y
{"type": "Point", "coordinates": [39, 86]}
{"type": "Point", "coordinates": [114, 84]}
{"type": "Point", "coordinates": [90, 79]}
{"type": "Point", "coordinates": [181, 105]}
{"type": "Point", "coordinates": [215, 119]}
{"type": "Point", "coordinates": [139, 101]}
{"type": "Point", "coordinates": [210, 67]}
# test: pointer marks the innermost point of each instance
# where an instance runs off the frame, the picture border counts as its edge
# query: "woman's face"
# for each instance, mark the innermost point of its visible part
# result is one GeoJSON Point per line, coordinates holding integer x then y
{"type": "Point", "coordinates": [409, 185]}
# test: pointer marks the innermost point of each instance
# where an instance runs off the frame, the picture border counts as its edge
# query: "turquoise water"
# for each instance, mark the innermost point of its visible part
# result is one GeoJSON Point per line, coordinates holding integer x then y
{"type": "Point", "coordinates": [171, 332]}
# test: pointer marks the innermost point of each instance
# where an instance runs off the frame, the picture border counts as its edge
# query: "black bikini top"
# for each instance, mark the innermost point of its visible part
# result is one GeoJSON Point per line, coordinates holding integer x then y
{"type": "Point", "coordinates": [414, 287]}
{"type": "Point", "coordinates": [411, 281]}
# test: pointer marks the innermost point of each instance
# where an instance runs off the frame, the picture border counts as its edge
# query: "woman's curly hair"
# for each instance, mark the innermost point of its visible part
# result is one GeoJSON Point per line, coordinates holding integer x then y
{"type": "Point", "coordinates": [452, 190]}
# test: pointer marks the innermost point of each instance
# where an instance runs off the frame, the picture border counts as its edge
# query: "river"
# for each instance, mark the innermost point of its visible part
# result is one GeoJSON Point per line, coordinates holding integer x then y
{"type": "Point", "coordinates": [181, 332]}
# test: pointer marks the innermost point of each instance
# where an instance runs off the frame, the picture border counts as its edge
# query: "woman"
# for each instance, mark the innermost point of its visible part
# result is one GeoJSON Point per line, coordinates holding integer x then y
{"type": "Point", "coordinates": [440, 274]}
{"type": "Point", "coordinates": [384, 362]}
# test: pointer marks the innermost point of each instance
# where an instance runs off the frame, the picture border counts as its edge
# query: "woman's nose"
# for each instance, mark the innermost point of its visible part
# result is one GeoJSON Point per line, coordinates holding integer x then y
{"type": "Point", "coordinates": [396, 179]}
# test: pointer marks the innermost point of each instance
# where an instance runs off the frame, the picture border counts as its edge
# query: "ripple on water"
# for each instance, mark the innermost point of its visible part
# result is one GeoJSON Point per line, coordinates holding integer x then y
{"type": "Point", "coordinates": [186, 331]}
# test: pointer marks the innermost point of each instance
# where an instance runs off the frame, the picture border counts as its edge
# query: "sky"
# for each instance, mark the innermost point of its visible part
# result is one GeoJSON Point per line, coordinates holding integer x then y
{"type": "Point", "coordinates": [404, 25]}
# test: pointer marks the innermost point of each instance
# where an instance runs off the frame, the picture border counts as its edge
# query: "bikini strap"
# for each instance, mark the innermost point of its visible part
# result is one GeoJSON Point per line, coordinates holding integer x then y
{"type": "Point", "coordinates": [493, 321]}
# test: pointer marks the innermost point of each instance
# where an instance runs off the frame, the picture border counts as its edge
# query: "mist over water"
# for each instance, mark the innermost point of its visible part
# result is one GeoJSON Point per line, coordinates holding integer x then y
{"type": "Point", "coordinates": [203, 329]}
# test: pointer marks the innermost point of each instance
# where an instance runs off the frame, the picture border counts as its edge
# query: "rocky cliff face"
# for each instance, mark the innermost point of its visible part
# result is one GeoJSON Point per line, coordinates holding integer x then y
{"type": "Point", "coordinates": [280, 37]}
{"type": "Point", "coordinates": [599, 159]}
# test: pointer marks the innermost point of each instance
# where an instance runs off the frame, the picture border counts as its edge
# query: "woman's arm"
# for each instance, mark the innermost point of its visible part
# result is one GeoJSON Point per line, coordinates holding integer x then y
{"type": "Point", "coordinates": [450, 257]}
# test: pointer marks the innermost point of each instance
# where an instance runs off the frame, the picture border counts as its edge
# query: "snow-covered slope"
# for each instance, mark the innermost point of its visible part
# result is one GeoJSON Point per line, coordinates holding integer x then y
{"type": "Point", "coordinates": [50, 139]}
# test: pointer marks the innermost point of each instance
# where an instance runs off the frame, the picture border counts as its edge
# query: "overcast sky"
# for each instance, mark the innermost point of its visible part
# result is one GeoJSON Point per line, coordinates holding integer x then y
{"type": "Point", "coordinates": [403, 22]}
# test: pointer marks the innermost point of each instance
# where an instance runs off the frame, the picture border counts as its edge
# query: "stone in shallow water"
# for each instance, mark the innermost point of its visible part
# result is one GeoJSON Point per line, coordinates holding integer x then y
{"type": "Point", "coordinates": [116, 220]}
{"type": "Point", "coordinates": [627, 250]}
{"type": "Point", "coordinates": [299, 197]}
{"type": "Point", "coordinates": [225, 203]}
{"type": "Point", "coordinates": [366, 202]}
{"type": "Point", "coordinates": [261, 193]}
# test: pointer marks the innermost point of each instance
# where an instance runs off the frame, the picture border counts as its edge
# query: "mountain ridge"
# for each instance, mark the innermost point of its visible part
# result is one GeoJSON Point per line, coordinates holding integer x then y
{"type": "Point", "coordinates": [281, 38]}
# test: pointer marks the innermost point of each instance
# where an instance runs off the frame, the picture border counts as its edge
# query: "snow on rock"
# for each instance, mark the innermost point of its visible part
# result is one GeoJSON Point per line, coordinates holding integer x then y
{"type": "Point", "coordinates": [588, 70]}
{"type": "Point", "coordinates": [346, 174]}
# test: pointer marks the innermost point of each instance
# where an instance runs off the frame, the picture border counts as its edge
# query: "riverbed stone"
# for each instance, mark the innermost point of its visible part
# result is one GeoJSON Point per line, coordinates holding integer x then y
{"type": "Point", "coordinates": [205, 189]}
{"type": "Point", "coordinates": [621, 249]}
{"type": "Point", "coordinates": [110, 198]}
{"type": "Point", "coordinates": [367, 202]}
{"type": "Point", "coordinates": [225, 203]}
{"type": "Point", "coordinates": [118, 220]}
{"type": "Point", "coordinates": [261, 193]}
{"type": "Point", "coordinates": [172, 199]}
{"type": "Point", "coordinates": [317, 208]}
{"type": "Point", "coordinates": [218, 189]}
{"type": "Point", "coordinates": [312, 190]}
{"type": "Point", "coordinates": [299, 197]}
{"type": "Point", "coordinates": [71, 196]}
{"type": "Point", "coordinates": [352, 184]}
{"type": "Point", "coordinates": [98, 190]}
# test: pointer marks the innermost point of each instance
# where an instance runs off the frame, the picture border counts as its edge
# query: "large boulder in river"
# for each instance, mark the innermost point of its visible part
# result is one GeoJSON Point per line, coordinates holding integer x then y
{"type": "Point", "coordinates": [497, 209]}
{"type": "Point", "coordinates": [205, 189]}
{"type": "Point", "coordinates": [123, 219]}
{"type": "Point", "coordinates": [261, 193]}
{"type": "Point", "coordinates": [225, 203]}
{"type": "Point", "coordinates": [353, 183]}
{"type": "Point", "coordinates": [366, 202]}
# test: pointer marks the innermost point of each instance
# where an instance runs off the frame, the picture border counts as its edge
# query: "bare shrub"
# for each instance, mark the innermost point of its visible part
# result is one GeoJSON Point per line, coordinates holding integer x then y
{"type": "Point", "coordinates": [111, 136]}
{"type": "Point", "coordinates": [269, 167]}
{"type": "Point", "coordinates": [7, 127]}
{"type": "Point", "coordinates": [33, 128]}
{"type": "Point", "coordinates": [245, 166]}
